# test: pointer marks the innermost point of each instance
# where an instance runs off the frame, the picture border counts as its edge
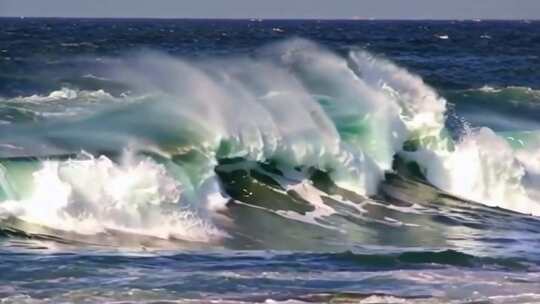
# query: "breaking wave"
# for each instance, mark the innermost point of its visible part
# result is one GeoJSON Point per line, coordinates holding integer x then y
{"type": "Point", "coordinates": [149, 165]}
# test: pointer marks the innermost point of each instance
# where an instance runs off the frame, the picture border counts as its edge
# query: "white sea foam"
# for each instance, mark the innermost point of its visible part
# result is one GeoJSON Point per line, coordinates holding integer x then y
{"type": "Point", "coordinates": [484, 168]}
{"type": "Point", "coordinates": [93, 195]}
{"type": "Point", "coordinates": [489, 89]}
{"type": "Point", "coordinates": [67, 94]}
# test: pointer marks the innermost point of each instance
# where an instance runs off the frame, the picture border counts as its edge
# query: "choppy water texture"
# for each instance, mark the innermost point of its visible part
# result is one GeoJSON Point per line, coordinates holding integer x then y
{"type": "Point", "coordinates": [179, 161]}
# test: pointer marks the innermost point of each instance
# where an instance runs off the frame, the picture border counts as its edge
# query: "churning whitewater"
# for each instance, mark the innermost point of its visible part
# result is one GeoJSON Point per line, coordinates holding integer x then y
{"type": "Point", "coordinates": [152, 160]}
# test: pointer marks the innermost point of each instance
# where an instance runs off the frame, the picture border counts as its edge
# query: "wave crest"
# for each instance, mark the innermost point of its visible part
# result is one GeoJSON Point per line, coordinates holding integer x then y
{"type": "Point", "coordinates": [294, 105]}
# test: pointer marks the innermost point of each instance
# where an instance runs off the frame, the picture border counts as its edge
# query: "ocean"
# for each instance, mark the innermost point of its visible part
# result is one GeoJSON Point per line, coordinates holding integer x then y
{"type": "Point", "coordinates": [269, 161]}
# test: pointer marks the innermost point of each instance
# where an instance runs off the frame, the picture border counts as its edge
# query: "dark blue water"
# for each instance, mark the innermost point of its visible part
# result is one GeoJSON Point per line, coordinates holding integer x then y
{"type": "Point", "coordinates": [179, 161]}
{"type": "Point", "coordinates": [497, 53]}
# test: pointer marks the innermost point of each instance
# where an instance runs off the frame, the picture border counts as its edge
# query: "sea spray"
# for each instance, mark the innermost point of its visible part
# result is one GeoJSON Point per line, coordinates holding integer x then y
{"type": "Point", "coordinates": [294, 104]}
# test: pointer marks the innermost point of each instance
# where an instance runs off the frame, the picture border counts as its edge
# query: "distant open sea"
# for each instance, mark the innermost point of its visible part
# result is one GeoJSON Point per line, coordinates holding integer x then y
{"type": "Point", "coordinates": [269, 161]}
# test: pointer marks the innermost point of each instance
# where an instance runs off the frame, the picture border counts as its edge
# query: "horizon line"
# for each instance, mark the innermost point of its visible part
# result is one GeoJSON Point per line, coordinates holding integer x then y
{"type": "Point", "coordinates": [273, 18]}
